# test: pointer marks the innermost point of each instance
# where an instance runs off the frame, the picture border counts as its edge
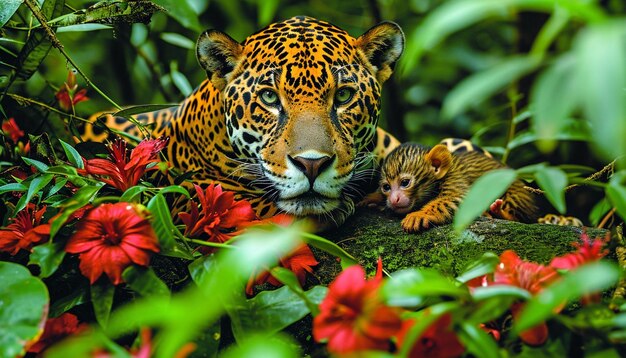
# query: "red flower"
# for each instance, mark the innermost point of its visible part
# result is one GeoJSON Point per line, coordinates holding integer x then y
{"type": "Point", "coordinates": [67, 95]}
{"type": "Point", "coordinates": [438, 340]}
{"type": "Point", "coordinates": [12, 130]}
{"type": "Point", "coordinates": [588, 251]}
{"type": "Point", "coordinates": [121, 171]}
{"type": "Point", "coordinates": [111, 237]}
{"type": "Point", "coordinates": [221, 218]}
{"type": "Point", "coordinates": [352, 316]}
{"type": "Point", "coordinates": [55, 330]}
{"type": "Point", "coordinates": [530, 276]}
{"type": "Point", "coordinates": [25, 231]}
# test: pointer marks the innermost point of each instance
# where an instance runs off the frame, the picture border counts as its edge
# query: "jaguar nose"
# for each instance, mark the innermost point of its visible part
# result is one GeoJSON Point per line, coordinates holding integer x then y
{"type": "Point", "coordinates": [311, 167]}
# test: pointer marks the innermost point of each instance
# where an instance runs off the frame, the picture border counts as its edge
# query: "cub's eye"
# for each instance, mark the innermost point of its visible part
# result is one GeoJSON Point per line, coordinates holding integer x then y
{"type": "Point", "coordinates": [343, 95]}
{"type": "Point", "coordinates": [385, 187]}
{"type": "Point", "coordinates": [269, 97]}
{"type": "Point", "coordinates": [405, 182]}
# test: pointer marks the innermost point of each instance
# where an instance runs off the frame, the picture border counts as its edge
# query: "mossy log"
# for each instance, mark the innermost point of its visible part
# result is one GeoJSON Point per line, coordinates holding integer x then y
{"type": "Point", "coordinates": [370, 234]}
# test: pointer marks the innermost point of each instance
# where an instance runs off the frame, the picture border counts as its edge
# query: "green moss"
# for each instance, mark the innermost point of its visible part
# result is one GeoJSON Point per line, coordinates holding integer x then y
{"type": "Point", "coordinates": [370, 234]}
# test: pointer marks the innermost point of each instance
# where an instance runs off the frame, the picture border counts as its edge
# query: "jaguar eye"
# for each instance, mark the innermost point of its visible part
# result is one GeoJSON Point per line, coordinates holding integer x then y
{"type": "Point", "coordinates": [405, 182]}
{"type": "Point", "coordinates": [343, 95]}
{"type": "Point", "coordinates": [269, 97]}
{"type": "Point", "coordinates": [385, 187]}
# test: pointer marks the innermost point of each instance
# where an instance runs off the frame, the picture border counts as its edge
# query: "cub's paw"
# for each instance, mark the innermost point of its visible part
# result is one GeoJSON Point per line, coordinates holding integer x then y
{"type": "Point", "coordinates": [417, 221]}
{"type": "Point", "coordinates": [372, 200]}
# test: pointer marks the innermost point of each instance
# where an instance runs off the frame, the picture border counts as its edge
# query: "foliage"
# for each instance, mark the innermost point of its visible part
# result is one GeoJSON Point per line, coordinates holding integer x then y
{"type": "Point", "coordinates": [531, 95]}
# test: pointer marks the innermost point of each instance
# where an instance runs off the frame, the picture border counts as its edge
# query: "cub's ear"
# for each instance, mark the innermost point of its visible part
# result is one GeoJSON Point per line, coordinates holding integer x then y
{"type": "Point", "coordinates": [440, 160]}
{"type": "Point", "coordinates": [382, 45]}
{"type": "Point", "coordinates": [218, 54]}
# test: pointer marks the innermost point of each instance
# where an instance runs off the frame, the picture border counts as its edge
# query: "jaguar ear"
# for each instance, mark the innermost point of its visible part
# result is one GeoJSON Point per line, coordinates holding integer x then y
{"type": "Point", "coordinates": [218, 54]}
{"type": "Point", "coordinates": [440, 160]}
{"type": "Point", "coordinates": [382, 45]}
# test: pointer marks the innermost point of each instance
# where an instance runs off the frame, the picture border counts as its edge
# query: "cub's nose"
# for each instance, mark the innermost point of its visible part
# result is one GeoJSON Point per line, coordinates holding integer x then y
{"type": "Point", "coordinates": [311, 167]}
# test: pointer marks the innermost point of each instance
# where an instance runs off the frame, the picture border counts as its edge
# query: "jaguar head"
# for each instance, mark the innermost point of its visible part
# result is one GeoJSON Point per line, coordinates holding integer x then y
{"type": "Point", "coordinates": [301, 101]}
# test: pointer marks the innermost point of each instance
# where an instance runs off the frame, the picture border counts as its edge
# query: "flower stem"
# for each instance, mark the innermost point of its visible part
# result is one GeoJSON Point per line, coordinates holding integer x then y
{"type": "Point", "coordinates": [207, 243]}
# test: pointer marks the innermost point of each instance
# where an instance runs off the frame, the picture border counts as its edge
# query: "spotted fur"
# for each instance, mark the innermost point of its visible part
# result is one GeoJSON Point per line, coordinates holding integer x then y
{"type": "Point", "coordinates": [287, 119]}
{"type": "Point", "coordinates": [439, 180]}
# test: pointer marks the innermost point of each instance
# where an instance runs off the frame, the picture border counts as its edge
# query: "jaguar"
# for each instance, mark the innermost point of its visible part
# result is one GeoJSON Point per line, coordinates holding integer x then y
{"type": "Point", "coordinates": [286, 119]}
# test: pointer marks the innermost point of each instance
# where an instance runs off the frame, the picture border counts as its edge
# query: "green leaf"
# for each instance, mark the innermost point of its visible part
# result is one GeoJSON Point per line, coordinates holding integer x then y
{"type": "Point", "coordinates": [492, 302]}
{"type": "Point", "coordinates": [331, 248]}
{"type": "Point", "coordinates": [267, 11]}
{"type": "Point", "coordinates": [486, 264]}
{"type": "Point", "coordinates": [84, 28]}
{"type": "Point", "coordinates": [600, 209]}
{"type": "Point", "coordinates": [181, 12]}
{"type": "Point", "coordinates": [289, 279]}
{"type": "Point", "coordinates": [8, 8]}
{"type": "Point", "coordinates": [108, 12]}
{"type": "Point", "coordinates": [586, 279]}
{"type": "Point", "coordinates": [553, 98]}
{"type": "Point", "coordinates": [601, 68]}
{"type": "Point", "coordinates": [571, 130]}
{"type": "Point", "coordinates": [102, 293]}
{"type": "Point", "coordinates": [180, 81]}
{"type": "Point", "coordinates": [80, 198]}
{"type": "Point", "coordinates": [64, 170]}
{"type": "Point", "coordinates": [25, 302]}
{"type": "Point", "coordinates": [270, 311]}
{"type": "Point", "coordinates": [165, 229]}
{"type": "Point", "coordinates": [77, 296]}
{"type": "Point", "coordinates": [42, 167]}
{"type": "Point", "coordinates": [48, 257]}
{"type": "Point", "coordinates": [36, 185]}
{"type": "Point", "coordinates": [553, 182]}
{"type": "Point", "coordinates": [12, 187]}
{"type": "Point", "coordinates": [481, 194]}
{"type": "Point", "coordinates": [144, 281]}
{"type": "Point", "coordinates": [178, 40]}
{"type": "Point", "coordinates": [131, 193]}
{"type": "Point", "coordinates": [72, 155]}
{"type": "Point", "coordinates": [423, 319]}
{"type": "Point", "coordinates": [176, 189]}
{"type": "Point", "coordinates": [410, 287]}
{"type": "Point", "coordinates": [616, 192]}
{"type": "Point", "coordinates": [477, 341]}
{"type": "Point", "coordinates": [201, 267]}
{"type": "Point", "coordinates": [254, 346]}
{"type": "Point", "coordinates": [482, 85]}
{"type": "Point", "coordinates": [132, 110]}
{"type": "Point", "coordinates": [58, 185]}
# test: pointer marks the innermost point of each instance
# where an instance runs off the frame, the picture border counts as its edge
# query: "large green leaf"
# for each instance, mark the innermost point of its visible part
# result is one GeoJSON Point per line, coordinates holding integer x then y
{"type": "Point", "coordinates": [181, 11]}
{"type": "Point", "coordinates": [24, 307]}
{"type": "Point", "coordinates": [144, 281]}
{"type": "Point", "coordinates": [109, 12]}
{"type": "Point", "coordinates": [164, 227]}
{"type": "Point", "coordinates": [482, 85]}
{"type": "Point", "coordinates": [410, 287]}
{"type": "Point", "coordinates": [330, 247]}
{"type": "Point", "coordinates": [482, 193]}
{"type": "Point", "coordinates": [586, 279]}
{"type": "Point", "coordinates": [553, 98]}
{"type": "Point", "coordinates": [616, 192]}
{"type": "Point", "coordinates": [261, 346]}
{"type": "Point", "coordinates": [553, 182]}
{"type": "Point", "coordinates": [101, 294]}
{"type": "Point", "coordinates": [48, 257]}
{"type": "Point", "coordinates": [601, 67]}
{"type": "Point", "coordinates": [271, 311]}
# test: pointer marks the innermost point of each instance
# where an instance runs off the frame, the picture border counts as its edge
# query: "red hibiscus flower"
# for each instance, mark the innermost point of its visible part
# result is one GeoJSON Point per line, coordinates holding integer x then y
{"type": "Point", "coordinates": [438, 340]}
{"type": "Point", "coordinates": [120, 170]}
{"type": "Point", "coordinates": [530, 276]}
{"type": "Point", "coordinates": [12, 130]}
{"type": "Point", "coordinates": [25, 231]}
{"type": "Point", "coordinates": [221, 218]}
{"type": "Point", "coordinates": [111, 237]}
{"type": "Point", "coordinates": [67, 95]}
{"type": "Point", "coordinates": [55, 330]}
{"type": "Point", "coordinates": [588, 251]}
{"type": "Point", "coordinates": [352, 316]}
